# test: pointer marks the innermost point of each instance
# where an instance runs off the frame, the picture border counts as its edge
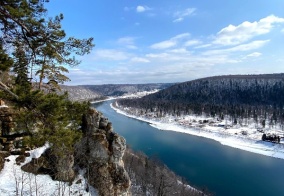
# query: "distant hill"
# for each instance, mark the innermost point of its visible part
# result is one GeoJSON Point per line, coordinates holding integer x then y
{"type": "Point", "coordinates": [78, 93]}
{"type": "Point", "coordinates": [235, 95]}
{"type": "Point", "coordinates": [121, 89]}
{"type": "Point", "coordinates": [265, 89]}
{"type": "Point", "coordinates": [94, 92]}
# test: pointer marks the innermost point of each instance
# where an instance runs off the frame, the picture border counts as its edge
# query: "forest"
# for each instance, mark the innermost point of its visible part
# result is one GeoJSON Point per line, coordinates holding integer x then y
{"type": "Point", "coordinates": [162, 182]}
{"type": "Point", "coordinates": [238, 97]}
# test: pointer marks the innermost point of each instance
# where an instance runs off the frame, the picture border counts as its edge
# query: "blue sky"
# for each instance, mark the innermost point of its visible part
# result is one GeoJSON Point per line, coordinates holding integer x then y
{"type": "Point", "coordinates": [173, 41]}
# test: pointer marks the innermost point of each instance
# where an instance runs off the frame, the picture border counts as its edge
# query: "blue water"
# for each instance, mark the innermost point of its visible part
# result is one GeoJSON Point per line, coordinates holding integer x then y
{"type": "Point", "coordinates": [204, 163]}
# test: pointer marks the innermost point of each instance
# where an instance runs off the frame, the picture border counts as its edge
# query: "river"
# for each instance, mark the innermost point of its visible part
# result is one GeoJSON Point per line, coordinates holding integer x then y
{"type": "Point", "coordinates": [204, 163]}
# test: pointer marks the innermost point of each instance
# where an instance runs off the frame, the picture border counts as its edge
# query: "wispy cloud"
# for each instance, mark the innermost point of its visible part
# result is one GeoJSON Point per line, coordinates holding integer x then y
{"type": "Point", "coordinates": [128, 42]}
{"type": "Point", "coordinates": [239, 48]}
{"type": "Point", "coordinates": [192, 42]}
{"type": "Point", "coordinates": [164, 44]}
{"type": "Point", "coordinates": [203, 46]}
{"type": "Point", "coordinates": [233, 35]}
{"type": "Point", "coordinates": [233, 49]}
{"type": "Point", "coordinates": [179, 51]}
{"type": "Point", "coordinates": [110, 54]}
{"type": "Point", "coordinates": [169, 43]}
{"type": "Point", "coordinates": [180, 15]}
{"type": "Point", "coordinates": [139, 60]}
{"type": "Point", "coordinates": [254, 54]}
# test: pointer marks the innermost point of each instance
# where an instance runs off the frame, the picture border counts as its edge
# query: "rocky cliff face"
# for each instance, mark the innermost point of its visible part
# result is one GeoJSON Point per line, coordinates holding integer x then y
{"type": "Point", "coordinates": [100, 152]}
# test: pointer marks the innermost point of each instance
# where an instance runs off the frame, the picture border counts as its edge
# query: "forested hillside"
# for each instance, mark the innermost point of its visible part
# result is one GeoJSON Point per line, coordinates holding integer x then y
{"type": "Point", "coordinates": [238, 96]}
{"type": "Point", "coordinates": [121, 89]}
{"type": "Point", "coordinates": [100, 92]}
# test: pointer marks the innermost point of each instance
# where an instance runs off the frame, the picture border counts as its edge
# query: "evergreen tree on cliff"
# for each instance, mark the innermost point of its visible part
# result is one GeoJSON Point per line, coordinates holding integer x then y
{"type": "Point", "coordinates": [38, 52]}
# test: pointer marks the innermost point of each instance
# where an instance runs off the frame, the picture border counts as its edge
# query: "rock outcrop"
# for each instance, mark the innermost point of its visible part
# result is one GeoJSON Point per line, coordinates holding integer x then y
{"type": "Point", "coordinates": [6, 121]}
{"type": "Point", "coordinates": [100, 152]}
{"type": "Point", "coordinates": [59, 167]}
{"type": "Point", "coordinates": [8, 139]}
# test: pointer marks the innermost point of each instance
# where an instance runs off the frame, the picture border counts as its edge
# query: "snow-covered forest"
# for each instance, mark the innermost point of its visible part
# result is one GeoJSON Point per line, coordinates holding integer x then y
{"type": "Point", "coordinates": [239, 98]}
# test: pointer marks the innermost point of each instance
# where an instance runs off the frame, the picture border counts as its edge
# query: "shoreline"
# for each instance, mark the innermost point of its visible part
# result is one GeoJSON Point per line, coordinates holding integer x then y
{"type": "Point", "coordinates": [251, 145]}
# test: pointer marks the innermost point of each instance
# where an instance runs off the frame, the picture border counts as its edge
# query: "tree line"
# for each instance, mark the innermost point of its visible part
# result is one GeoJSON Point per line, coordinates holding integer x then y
{"type": "Point", "coordinates": [238, 98]}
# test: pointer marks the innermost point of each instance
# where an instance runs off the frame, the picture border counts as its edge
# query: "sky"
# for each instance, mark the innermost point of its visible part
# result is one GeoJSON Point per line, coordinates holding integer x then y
{"type": "Point", "coordinates": [165, 41]}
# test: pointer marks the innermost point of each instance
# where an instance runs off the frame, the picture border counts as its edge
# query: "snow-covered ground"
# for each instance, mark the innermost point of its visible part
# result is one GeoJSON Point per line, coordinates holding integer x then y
{"type": "Point", "coordinates": [242, 137]}
{"type": "Point", "coordinates": [14, 181]}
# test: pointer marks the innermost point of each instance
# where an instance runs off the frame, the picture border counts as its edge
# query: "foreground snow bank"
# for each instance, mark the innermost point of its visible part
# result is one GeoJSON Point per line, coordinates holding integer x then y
{"type": "Point", "coordinates": [233, 137]}
{"type": "Point", "coordinates": [14, 181]}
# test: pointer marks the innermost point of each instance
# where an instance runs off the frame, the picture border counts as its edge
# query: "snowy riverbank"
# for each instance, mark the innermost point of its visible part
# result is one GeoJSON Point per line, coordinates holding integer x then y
{"type": "Point", "coordinates": [245, 138]}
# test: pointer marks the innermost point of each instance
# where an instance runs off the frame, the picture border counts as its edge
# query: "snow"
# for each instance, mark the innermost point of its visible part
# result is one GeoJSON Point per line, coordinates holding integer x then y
{"type": "Point", "coordinates": [241, 137]}
{"type": "Point", "coordinates": [14, 181]}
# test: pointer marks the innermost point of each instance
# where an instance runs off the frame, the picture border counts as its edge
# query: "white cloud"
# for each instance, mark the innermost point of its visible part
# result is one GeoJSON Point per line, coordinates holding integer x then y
{"type": "Point", "coordinates": [178, 20]}
{"type": "Point", "coordinates": [250, 46]}
{"type": "Point", "coordinates": [127, 42]}
{"type": "Point", "coordinates": [233, 35]}
{"type": "Point", "coordinates": [240, 48]}
{"type": "Point", "coordinates": [110, 54]}
{"type": "Point", "coordinates": [180, 15]}
{"type": "Point", "coordinates": [192, 42]}
{"type": "Point", "coordinates": [139, 60]}
{"type": "Point", "coordinates": [159, 55]}
{"type": "Point", "coordinates": [141, 8]}
{"type": "Point", "coordinates": [171, 42]}
{"type": "Point", "coordinates": [254, 54]}
{"type": "Point", "coordinates": [282, 30]}
{"type": "Point", "coordinates": [181, 36]}
{"type": "Point", "coordinates": [203, 46]}
{"type": "Point", "coordinates": [164, 44]}
{"type": "Point", "coordinates": [179, 51]}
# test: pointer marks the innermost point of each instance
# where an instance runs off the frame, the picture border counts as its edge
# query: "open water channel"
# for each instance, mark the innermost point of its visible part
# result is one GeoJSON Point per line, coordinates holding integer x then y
{"type": "Point", "coordinates": [205, 163]}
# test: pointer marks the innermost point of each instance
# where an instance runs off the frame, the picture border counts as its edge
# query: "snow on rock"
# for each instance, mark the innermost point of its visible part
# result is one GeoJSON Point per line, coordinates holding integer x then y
{"type": "Point", "coordinates": [14, 181]}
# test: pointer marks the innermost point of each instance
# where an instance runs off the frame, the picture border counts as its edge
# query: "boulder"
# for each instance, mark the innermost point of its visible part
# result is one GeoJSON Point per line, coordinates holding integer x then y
{"type": "Point", "coordinates": [58, 166]}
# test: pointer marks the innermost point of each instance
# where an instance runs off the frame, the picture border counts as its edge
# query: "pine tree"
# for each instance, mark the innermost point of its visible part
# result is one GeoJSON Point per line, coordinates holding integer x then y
{"type": "Point", "coordinates": [39, 51]}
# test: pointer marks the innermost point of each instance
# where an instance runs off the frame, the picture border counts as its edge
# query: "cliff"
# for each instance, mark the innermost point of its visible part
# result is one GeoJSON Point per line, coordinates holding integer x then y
{"type": "Point", "coordinates": [101, 151]}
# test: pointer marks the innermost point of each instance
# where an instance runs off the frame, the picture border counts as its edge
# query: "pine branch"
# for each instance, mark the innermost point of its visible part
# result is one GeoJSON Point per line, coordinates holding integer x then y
{"type": "Point", "coordinates": [6, 89]}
